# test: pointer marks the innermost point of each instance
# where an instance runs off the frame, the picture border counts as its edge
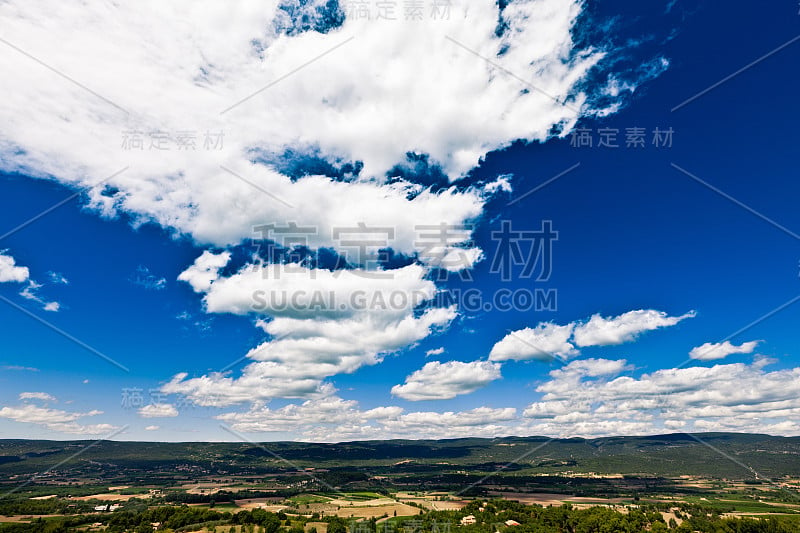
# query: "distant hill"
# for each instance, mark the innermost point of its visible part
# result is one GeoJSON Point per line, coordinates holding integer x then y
{"type": "Point", "coordinates": [719, 455]}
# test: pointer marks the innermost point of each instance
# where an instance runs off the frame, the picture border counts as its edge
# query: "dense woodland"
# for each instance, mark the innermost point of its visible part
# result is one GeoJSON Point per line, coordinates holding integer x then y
{"type": "Point", "coordinates": [432, 462]}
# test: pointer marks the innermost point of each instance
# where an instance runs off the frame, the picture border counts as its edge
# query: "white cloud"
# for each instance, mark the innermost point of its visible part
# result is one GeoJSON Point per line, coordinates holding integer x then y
{"type": "Point", "coordinates": [548, 340]}
{"type": "Point", "coordinates": [591, 398]}
{"type": "Point", "coordinates": [55, 419]}
{"type": "Point", "coordinates": [588, 398]}
{"type": "Point", "coordinates": [144, 278]}
{"type": "Point", "coordinates": [332, 419]}
{"type": "Point", "coordinates": [602, 331]}
{"type": "Point", "coordinates": [481, 421]}
{"type": "Point", "coordinates": [442, 381]}
{"type": "Point", "coordinates": [31, 292]}
{"type": "Point", "coordinates": [152, 428]}
{"type": "Point", "coordinates": [37, 396]}
{"type": "Point", "coordinates": [19, 368]}
{"type": "Point", "coordinates": [57, 278]}
{"type": "Point", "coordinates": [158, 410]}
{"type": "Point", "coordinates": [322, 324]}
{"type": "Point", "coordinates": [11, 272]}
{"type": "Point", "coordinates": [720, 350]}
{"type": "Point", "coordinates": [295, 365]}
{"type": "Point", "coordinates": [205, 270]}
{"type": "Point", "coordinates": [175, 68]}
{"type": "Point", "coordinates": [545, 341]}
{"type": "Point", "coordinates": [296, 292]}
{"type": "Point", "coordinates": [311, 343]}
{"type": "Point", "coordinates": [327, 410]}
{"type": "Point", "coordinates": [435, 351]}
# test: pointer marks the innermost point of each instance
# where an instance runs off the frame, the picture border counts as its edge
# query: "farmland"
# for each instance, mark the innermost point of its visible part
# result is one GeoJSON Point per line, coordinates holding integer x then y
{"type": "Point", "coordinates": [225, 487]}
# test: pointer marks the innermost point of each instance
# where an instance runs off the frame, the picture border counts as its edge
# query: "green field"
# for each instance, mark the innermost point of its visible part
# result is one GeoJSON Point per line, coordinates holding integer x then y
{"type": "Point", "coordinates": [305, 499]}
{"type": "Point", "coordinates": [361, 496]}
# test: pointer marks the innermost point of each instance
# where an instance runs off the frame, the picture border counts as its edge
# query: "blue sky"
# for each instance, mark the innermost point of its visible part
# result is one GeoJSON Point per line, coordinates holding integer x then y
{"type": "Point", "coordinates": [662, 262]}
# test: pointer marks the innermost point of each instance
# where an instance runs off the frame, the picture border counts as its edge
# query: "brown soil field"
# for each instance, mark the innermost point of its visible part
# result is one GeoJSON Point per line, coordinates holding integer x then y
{"type": "Point", "coordinates": [110, 497]}
{"type": "Point", "coordinates": [436, 505]}
{"type": "Point", "coordinates": [369, 511]}
{"type": "Point", "coordinates": [260, 503]}
{"type": "Point", "coordinates": [365, 503]}
{"type": "Point", "coordinates": [541, 498]}
{"type": "Point", "coordinates": [26, 517]}
{"type": "Point", "coordinates": [545, 499]}
{"type": "Point", "coordinates": [737, 514]}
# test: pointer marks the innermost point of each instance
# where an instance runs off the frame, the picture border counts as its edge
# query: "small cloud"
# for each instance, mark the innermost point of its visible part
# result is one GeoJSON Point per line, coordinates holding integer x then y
{"type": "Point", "coordinates": [85, 381]}
{"type": "Point", "coordinates": [443, 381]}
{"type": "Point", "coordinates": [144, 278]}
{"type": "Point", "coordinates": [152, 428]}
{"type": "Point", "coordinates": [548, 340]}
{"type": "Point", "coordinates": [720, 350]}
{"type": "Point", "coordinates": [54, 419]}
{"type": "Point", "coordinates": [435, 351]}
{"type": "Point", "coordinates": [57, 278]}
{"type": "Point", "coordinates": [37, 396]}
{"type": "Point", "coordinates": [158, 410]}
{"type": "Point", "coordinates": [10, 272]}
{"type": "Point", "coordinates": [31, 292]}
{"type": "Point", "coordinates": [543, 343]}
{"type": "Point", "coordinates": [19, 368]}
{"type": "Point", "coordinates": [202, 324]}
{"type": "Point", "coordinates": [607, 331]}
{"type": "Point", "coordinates": [502, 183]}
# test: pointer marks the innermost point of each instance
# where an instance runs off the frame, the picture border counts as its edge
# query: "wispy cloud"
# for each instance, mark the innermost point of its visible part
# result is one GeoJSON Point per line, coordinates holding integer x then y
{"type": "Point", "coordinates": [19, 368]}
{"type": "Point", "coordinates": [53, 419]}
{"type": "Point", "coordinates": [144, 278]}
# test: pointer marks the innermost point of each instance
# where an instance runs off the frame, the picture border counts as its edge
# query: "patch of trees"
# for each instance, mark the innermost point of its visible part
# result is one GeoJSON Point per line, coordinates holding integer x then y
{"type": "Point", "coordinates": [490, 516]}
{"type": "Point", "coordinates": [537, 519]}
{"type": "Point", "coordinates": [168, 517]}
{"type": "Point", "coordinates": [224, 496]}
{"type": "Point", "coordinates": [48, 525]}
{"type": "Point", "coordinates": [26, 506]}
